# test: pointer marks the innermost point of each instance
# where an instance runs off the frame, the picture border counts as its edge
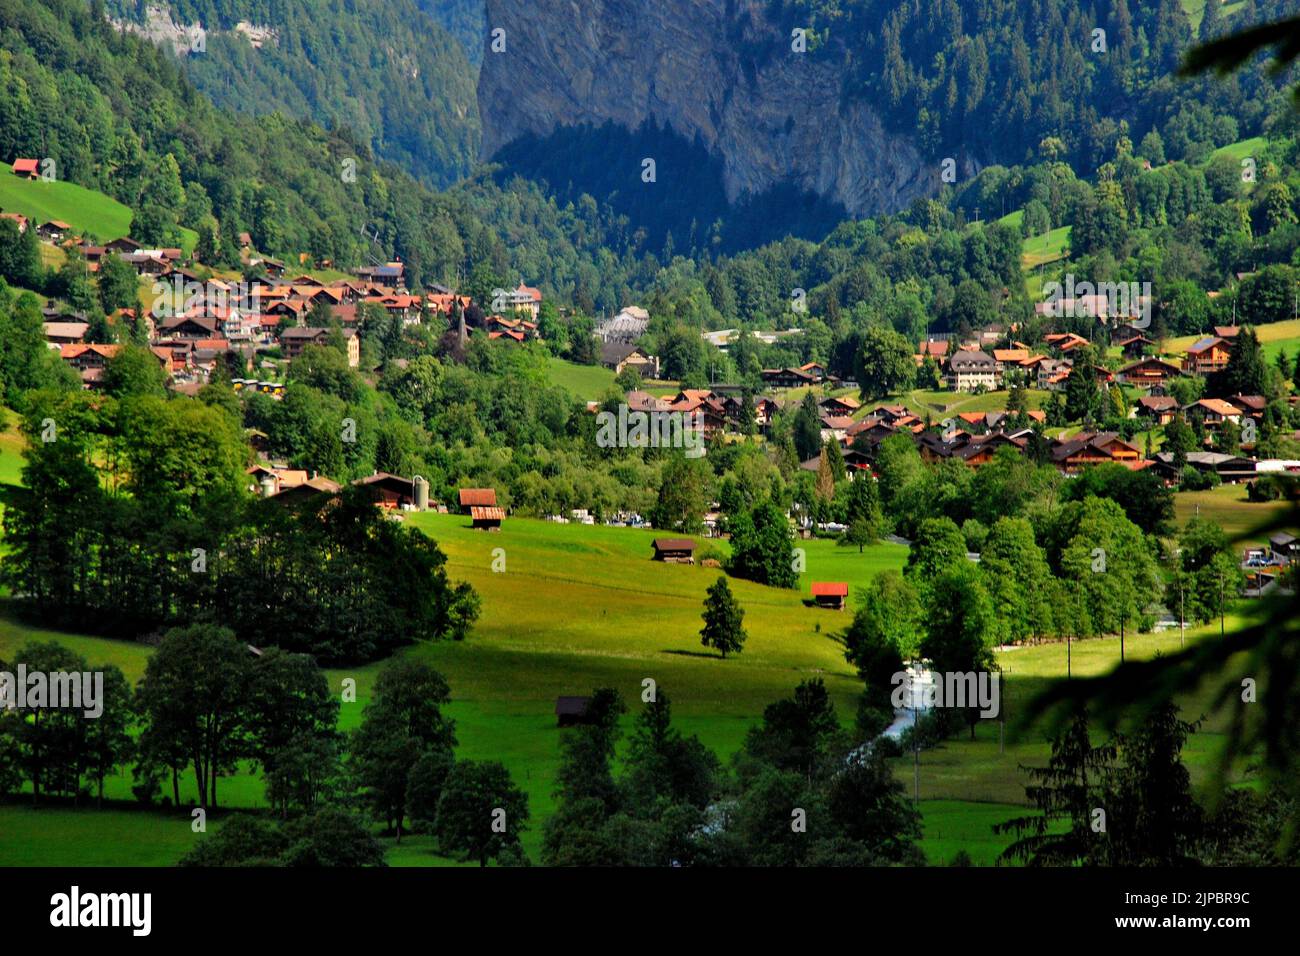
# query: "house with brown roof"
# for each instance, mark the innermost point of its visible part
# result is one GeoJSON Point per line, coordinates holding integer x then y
{"type": "Point", "coordinates": [1208, 355]}
{"type": "Point", "coordinates": [477, 498]}
{"type": "Point", "coordinates": [1148, 372]}
{"type": "Point", "coordinates": [66, 333]}
{"type": "Point", "coordinates": [1161, 409]}
{"type": "Point", "coordinates": [844, 405]}
{"type": "Point", "coordinates": [294, 340]}
{"type": "Point", "coordinates": [1250, 405]}
{"type": "Point", "coordinates": [90, 360]}
{"type": "Point", "coordinates": [390, 492]}
{"type": "Point", "coordinates": [674, 550]}
{"type": "Point", "coordinates": [621, 355]}
{"type": "Point", "coordinates": [1095, 448]}
{"type": "Point", "coordinates": [1065, 342]}
{"type": "Point", "coordinates": [53, 231]}
{"type": "Point", "coordinates": [1213, 412]}
{"type": "Point", "coordinates": [785, 378]}
{"type": "Point", "coordinates": [1135, 346]}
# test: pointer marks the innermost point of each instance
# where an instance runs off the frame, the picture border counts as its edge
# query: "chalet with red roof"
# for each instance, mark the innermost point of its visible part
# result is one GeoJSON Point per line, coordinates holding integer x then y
{"type": "Point", "coordinates": [830, 594]}
{"type": "Point", "coordinates": [27, 168]}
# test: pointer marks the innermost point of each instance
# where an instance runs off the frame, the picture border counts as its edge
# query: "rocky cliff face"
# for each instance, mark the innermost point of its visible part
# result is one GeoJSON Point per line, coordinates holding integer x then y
{"type": "Point", "coordinates": [712, 68]}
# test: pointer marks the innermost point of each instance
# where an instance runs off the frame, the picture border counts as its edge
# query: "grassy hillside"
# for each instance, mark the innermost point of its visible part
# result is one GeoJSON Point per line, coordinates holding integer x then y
{"type": "Point", "coordinates": [83, 209]}
{"type": "Point", "coordinates": [588, 382]}
{"type": "Point", "coordinates": [87, 211]}
{"type": "Point", "coordinates": [1273, 338]}
{"type": "Point", "coordinates": [1228, 507]}
{"type": "Point", "coordinates": [1049, 247]}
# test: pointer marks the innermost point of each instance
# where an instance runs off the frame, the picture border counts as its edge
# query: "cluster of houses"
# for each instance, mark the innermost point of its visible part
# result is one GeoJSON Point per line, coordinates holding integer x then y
{"type": "Point", "coordinates": [394, 493]}
{"type": "Point", "coordinates": [194, 323]}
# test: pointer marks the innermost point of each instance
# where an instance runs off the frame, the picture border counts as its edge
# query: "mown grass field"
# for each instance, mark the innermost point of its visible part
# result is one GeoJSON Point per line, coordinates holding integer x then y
{"type": "Point", "coordinates": [578, 607]}
{"type": "Point", "coordinates": [86, 210]}
{"type": "Point", "coordinates": [1047, 248]}
{"type": "Point", "coordinates": [588, 382]}
{"type": "Point", "coordinates": [83, 209]}
{"type": "Point", "coordinates": [1228, 507]}
{"type": "Point", "coordinates": [942, 403]}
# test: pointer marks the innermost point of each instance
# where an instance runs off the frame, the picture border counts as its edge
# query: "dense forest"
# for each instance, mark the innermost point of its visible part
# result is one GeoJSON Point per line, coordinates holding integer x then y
{"type": "Point", "coordinates": [410, 96]}
{"type": "Point", "coordinates": [464, 20]}
{"type": "Point", "coordinates": [990, 79]}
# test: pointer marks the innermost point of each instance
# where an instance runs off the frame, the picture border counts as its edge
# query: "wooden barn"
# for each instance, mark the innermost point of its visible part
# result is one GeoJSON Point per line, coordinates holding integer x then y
{"type": "Point", "coordinates": [389, 491]}
{"type": "Point", "coordinates": [477, 498]}
{"type": "Point", "coordinates": [570, 711]}
{"type": "Point", "coordinates": [487, 519]}
{"type": "Point", "coordinates": [830, 594]}
{"type": "Point", "coordinates": [674, 550]}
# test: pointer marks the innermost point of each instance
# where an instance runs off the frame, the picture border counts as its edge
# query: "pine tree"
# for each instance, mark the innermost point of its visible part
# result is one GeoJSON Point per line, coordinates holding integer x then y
{"type": "Point", "coordinates": [723, 617]}
{"type": "Point", "coordinates": [1066, 791]}
{"type": "Point", "coordinates": [1244, 374]}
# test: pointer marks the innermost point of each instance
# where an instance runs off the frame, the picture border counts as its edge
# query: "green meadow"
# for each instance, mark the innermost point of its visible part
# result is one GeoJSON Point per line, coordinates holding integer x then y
{"type": "Point", "coordinates": [1049, 247]}
{"type": "Point", "coordinates": [83, 209]}
{"type": "Point", "coordinates": [584, 606]}
{"type": "Point", "coordinates": [86, 210]}
{"type": "Point", "coordinates": [588, 382]}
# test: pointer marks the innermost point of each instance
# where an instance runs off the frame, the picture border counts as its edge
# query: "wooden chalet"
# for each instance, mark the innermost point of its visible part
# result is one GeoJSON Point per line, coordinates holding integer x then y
{"type": "Point", "coordinates": [1148, 372]}
{"type": "Point", "coordinates": [674, 550]}
{"type": "Point", "coordinates": [830, 594]}
{"type": "Point", "coordinates": [486, 518]}
{"type": "Point", "coordinates": [571, 711]}
{"type": "Point", "coordinates": [477, 498]}
{"type": "Point", "coordinates": [1210, 354]}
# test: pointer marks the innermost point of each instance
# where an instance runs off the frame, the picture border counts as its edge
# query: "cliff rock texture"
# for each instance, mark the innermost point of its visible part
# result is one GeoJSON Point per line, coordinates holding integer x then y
{"type": "Point", "coordinates": [713, 68]}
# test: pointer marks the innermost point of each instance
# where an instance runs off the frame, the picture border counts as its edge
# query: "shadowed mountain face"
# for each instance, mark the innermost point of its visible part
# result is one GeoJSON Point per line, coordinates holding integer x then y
{"type": "Point", "coordinates": [718, 73]}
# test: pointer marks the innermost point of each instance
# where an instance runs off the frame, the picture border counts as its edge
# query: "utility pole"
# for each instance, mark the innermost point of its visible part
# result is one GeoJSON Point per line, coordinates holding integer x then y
{"type": "Point", "coordinates": [916, 742]}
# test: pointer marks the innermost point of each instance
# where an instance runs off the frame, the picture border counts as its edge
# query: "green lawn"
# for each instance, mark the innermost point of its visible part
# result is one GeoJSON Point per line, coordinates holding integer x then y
{"type": "Point", "coordinates": [1240, 149]}
{"type": "Point", "coordinates": [84, 209]}
{"type": "Point", "coordinates": [942, 403]}
{"type": "Point", "coordinates": [1227, 506]}
{"type": "Point", "coordinates": [588, 382]}
{"type": "Point", "coordinates": [1049, 247]}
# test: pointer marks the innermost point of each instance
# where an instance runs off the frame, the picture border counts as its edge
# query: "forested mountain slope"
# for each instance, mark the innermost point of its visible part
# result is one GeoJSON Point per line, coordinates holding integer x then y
{"type": "Point", "coordinates": [381, 68]}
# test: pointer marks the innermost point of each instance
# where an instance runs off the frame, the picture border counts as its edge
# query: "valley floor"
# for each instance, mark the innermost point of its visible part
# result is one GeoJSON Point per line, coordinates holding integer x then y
{"type": "Point", "coordinates": [584, 606]}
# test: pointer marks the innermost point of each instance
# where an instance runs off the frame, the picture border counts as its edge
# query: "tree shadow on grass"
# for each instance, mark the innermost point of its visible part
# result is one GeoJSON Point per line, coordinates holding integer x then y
{"type": "Point", "coordinates": [681, 653]}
